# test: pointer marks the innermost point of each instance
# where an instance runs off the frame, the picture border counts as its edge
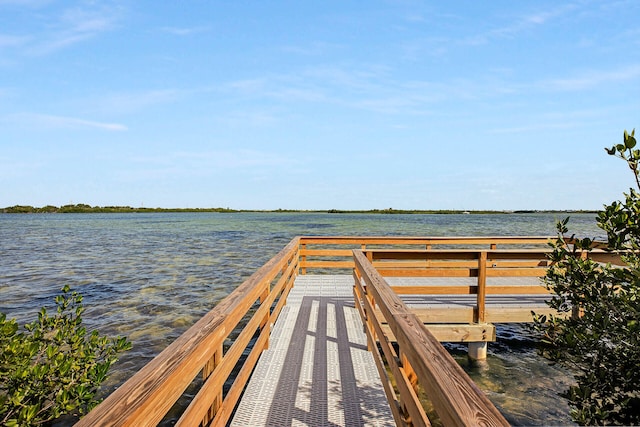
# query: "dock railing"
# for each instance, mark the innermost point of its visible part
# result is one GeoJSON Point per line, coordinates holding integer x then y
{"type": "Point", "coordinates": [217, 354]}
{"type": "Point", "coordinates": [483, 265]}
{"type": "Point", "coordinates": [333, 253]}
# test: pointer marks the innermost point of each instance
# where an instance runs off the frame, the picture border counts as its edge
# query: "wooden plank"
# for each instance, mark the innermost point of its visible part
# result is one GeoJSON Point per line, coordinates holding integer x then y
{"type": "Point", "coordinates": [417, 240]}
{"type": "Point", "coordinates": [445, 314]}
{"type": "Point", "coordinates": [435, 290]}
{"type": "Point", "coordinates": [454, 332]}
{"type": "Point", "coordinates": [326, 252]}
{"type": "Point", "coordinates": [606, 257]}
{"type": "Point", "coordinates": [515, 315]}
{"type": "Point", "coordinates": [517, 290]}
{"type": "Point", "coordinates": [516, 272]}
{"type": "Point", "coordinates": [470, 290]}
{"type": "Point", "coordinates": [327, 264]}
{"type": "Point", "coordinates": [436, 272]}
{"type": "Point", "coordinates": [431, 254]}
{"type": "Point", "coordinates": [388, 264]}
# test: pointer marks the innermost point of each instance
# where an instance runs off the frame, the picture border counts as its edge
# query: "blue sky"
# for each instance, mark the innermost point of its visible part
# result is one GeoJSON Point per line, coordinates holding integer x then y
{"type": "Point", "coordinates": [317, 105]}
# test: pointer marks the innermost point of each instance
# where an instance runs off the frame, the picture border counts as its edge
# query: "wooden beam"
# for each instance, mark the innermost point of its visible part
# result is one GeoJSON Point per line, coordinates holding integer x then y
{"type": "Point", "coordinates": [455, 332]}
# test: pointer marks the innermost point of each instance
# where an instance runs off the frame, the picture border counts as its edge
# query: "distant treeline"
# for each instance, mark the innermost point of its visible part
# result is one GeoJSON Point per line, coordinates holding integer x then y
{"type": "Point", "coordinates": [83, 208]}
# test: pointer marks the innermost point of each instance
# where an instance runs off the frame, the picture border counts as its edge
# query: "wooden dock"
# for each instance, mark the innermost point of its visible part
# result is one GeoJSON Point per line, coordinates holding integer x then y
{"type": "Point", "coordinates": [354, 344]}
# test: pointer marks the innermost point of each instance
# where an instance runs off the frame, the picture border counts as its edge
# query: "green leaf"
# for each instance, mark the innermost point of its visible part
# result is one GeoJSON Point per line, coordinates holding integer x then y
{"type": "Point", "coordinates": [49, 364]}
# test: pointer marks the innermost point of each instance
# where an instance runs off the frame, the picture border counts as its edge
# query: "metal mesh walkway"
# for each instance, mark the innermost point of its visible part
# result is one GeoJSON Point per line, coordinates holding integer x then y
{"type": "Point", "coordinates": [317, 370]}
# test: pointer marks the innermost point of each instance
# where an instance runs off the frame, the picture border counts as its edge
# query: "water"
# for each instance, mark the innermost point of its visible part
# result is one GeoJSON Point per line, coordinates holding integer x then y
{"type": "Point", "coordinates": [151, 276]}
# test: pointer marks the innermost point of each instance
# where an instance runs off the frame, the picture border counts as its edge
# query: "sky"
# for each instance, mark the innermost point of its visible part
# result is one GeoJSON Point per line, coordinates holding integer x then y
{"type": "Point", "coordinates": [313, 105]}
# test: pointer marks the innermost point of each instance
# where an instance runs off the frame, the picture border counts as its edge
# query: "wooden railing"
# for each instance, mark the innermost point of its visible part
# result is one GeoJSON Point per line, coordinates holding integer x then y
{"type": "Point", "coordinates": [145, 398]}
{"type": "Point", "coordinates": [419, 362]}
{"type": "Point", "coordinates": [221, 373]}
{"type": "Point", "coordinates": [335, 252]}
{"type": "Point", "coordinates": [455, 263]}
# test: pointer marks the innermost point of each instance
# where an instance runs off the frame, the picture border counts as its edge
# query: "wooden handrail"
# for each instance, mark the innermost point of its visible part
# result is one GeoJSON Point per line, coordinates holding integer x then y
{"type": "Point", "coordinates": [456, 399]}
{"type": "Point", "coordinates": [147, 396]}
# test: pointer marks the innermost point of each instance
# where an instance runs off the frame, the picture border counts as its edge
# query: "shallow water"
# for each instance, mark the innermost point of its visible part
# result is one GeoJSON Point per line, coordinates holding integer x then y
{"type": "Point", "coordinates": [151, 276]}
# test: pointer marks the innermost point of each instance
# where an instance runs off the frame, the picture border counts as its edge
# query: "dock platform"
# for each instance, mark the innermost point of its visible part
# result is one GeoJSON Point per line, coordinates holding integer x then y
{"type": "Point", "coordinates": [317, 370]}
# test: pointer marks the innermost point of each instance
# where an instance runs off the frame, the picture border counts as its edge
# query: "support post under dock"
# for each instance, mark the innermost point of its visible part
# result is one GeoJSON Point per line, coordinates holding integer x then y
{"type": "Point", "coordinates": [478, 350]}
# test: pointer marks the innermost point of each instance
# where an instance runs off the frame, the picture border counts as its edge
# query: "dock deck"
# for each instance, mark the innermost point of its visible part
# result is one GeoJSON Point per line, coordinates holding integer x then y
{"type": "Point", "coordinates": [317, 370]}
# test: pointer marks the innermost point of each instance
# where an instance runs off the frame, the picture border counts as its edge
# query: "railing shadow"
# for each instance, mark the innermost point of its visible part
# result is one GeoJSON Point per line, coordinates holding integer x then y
{"type": "Point", "coordinates": [325, 385]}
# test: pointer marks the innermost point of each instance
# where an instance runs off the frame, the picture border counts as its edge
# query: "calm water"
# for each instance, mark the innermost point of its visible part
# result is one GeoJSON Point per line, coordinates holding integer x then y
{"type": "Point", "coordinates": [151, 276]}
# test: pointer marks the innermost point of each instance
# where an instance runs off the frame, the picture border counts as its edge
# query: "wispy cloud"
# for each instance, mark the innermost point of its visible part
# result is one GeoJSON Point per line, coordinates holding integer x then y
{"type": "Point", "coordinates": [76, 25]}
{"type": "Point", "coordinates": [522, 23]}
{"type": "Point", "coordinates": [61, 122]}
{"type": "Point", "coordinates": [48, 29]}
{"type": "Point", "coordinates": [131, 102]}
{"type": "Point", "coordinates": [185, 31]}
{"type": "Point", "coordinates": [594, 78]}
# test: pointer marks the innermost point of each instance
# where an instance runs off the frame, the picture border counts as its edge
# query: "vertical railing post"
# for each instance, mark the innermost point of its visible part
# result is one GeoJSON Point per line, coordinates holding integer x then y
{"type": "Point", "coordinates": [266, 322]}
{"type": "Point", "coordinates": [303, 258]}
{"type": "Point", "coordinates": [482, 287]}
{"type": "Point", "coordinates": [207, 370]}
{"type": "Point", "coordinates": [478, 350]}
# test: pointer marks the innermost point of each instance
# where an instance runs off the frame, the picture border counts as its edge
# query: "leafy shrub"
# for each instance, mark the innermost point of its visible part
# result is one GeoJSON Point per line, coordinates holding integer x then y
{"type": "Point", "coordinates": [600, 338]}
{"type": "Point", "coordinates": [55, 366]}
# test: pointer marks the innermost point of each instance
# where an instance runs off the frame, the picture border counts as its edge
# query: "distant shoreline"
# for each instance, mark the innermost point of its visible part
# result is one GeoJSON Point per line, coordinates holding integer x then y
{"type": "Point", "coordinates": [82, 208]}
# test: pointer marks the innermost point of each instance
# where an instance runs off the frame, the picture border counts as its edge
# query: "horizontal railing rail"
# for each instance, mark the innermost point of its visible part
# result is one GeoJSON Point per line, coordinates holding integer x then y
{"type": "Point", "coordinates": [420, 361]}
{"type": "Point", "coordinates": [335, 252]}
{"type": "Point", "coordinates": [457, 263]}
{"type": "Point", "coordinates": [147, 397]}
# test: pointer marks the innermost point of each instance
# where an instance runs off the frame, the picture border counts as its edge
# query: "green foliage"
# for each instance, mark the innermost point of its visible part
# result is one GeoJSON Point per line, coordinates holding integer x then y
{"type": "Point", "coordinates": [600, 338]}
{"type": "Point", "coordinates": [55, 366]}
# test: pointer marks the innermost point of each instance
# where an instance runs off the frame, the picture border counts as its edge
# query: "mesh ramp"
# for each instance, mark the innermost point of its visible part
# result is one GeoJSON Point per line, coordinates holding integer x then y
{"type": "Point", "coordinates": [317, 370]}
